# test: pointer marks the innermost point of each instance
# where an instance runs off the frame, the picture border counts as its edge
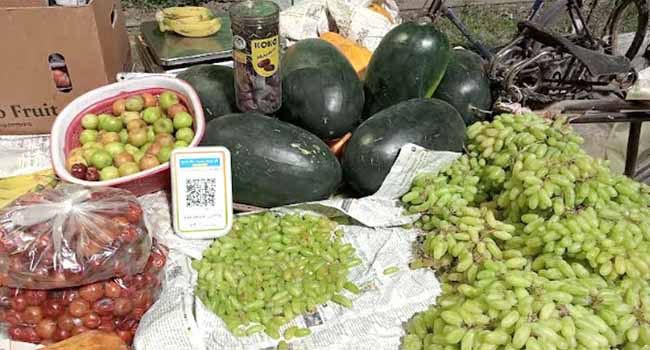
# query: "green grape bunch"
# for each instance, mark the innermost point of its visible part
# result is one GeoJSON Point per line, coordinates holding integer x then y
{"type": "Point", "coordinates": [538, 245]}
{"type": "Point", "coordinates": [269, 269]}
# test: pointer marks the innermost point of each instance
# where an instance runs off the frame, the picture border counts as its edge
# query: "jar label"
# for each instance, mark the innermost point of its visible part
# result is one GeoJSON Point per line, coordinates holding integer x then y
{"type": "Point", "coordinates": [265, 55]}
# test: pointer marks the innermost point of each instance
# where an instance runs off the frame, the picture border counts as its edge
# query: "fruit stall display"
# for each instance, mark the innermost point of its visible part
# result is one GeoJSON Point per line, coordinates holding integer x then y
{"type": "Point", "coordinates": [537, 245]}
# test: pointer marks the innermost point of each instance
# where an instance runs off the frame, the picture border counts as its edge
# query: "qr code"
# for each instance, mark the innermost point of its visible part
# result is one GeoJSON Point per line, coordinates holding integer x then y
{"type": "Point", "coordinates": [200, 192]}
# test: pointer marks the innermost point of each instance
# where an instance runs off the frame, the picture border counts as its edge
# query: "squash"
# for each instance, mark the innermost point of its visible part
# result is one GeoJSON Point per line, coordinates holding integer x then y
{"type": "Point", "coordinates": [409, 62]}
{"type": "Point", "coordinates": [382, 11]}
{"type": "Point", "coordinates": [358, 55]}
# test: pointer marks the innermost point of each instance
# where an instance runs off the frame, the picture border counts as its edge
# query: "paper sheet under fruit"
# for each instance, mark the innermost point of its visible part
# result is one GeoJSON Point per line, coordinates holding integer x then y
{"type": "Point", "coordinates": [179, 321]}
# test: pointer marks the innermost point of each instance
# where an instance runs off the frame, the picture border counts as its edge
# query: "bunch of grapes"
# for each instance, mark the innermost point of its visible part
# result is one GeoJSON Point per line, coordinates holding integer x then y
{"type": "Point", "coordinates": [537, 244]}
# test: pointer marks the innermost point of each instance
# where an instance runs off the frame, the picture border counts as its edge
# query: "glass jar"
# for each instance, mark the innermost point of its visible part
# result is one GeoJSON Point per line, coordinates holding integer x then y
{"type": "Point", "coordinates": [256, 55]}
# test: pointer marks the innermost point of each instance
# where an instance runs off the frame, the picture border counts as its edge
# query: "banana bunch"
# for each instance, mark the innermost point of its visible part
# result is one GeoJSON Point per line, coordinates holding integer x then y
{"type": "Point", "coordinates": [15, 186]}
{"type": "Point", "coordinates": [189, 21]}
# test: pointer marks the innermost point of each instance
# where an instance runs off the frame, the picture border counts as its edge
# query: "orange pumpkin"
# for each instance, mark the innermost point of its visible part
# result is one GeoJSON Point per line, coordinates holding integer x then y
{"type": "Point", "coordinates": [356, 54]}
{"type": "Point", "coordinates": [382, 11]}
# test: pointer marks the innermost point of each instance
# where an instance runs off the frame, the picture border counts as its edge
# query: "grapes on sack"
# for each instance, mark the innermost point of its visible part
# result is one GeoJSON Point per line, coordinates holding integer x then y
{"type": "Point", "coordinates": [137, 134]}
{"type": "Point", "coordinates": [537, 245]}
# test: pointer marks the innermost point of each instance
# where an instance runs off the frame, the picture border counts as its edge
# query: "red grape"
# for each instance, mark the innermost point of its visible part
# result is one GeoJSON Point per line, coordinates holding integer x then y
{"type": "Point", "coordinates": [53, 308]}
{"type": "Point", "coordinates": [32, 315]}
{"type": "Point", "coordinates": [46, 329]}
{"type": "Point", "coordinates": [104, 307]}
{"type": "Point", "coordinates": [19, 303]}
{"type": "Point", "coordinates": [66, 323]}
{"type": "Point", "coordinates": [78, 330]}
{"type": "Point", "coordinates": [123, 306]}
{"type": "Point", "coordinates": [79, 308]}
{"type": "Point", "coordinates": [112, 290]}
{"type": "Point", "coordinates": [92, 292]}
{"type": "Point", "coordinates": [127, 336]}
{"type": "Point", "coordinates": [35, 297]}
{"type": "Point", "coordinates": [61, 334]}
{"type": "Point", "coordinates": [92, 321]}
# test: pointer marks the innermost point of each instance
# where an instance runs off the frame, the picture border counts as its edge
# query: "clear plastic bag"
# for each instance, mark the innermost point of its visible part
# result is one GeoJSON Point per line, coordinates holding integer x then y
{"type": "Point", "coordinates": [115, 305]}
{"type": "Point", "coordinates": [71, 236]}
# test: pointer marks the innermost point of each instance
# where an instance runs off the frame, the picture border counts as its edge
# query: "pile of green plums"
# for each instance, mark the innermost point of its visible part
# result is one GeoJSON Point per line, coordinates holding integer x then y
{"type": "Point", "coordinates": [138, 134]}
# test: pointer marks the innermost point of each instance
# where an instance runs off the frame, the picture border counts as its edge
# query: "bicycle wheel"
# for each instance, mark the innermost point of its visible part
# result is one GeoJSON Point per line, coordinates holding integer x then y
{"type": "Point", "coordinates": [626, 28]}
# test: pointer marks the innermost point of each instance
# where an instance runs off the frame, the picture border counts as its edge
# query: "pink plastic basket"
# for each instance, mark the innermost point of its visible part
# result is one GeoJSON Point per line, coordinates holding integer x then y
{"type": "Point", "coordinates": [67, 127]}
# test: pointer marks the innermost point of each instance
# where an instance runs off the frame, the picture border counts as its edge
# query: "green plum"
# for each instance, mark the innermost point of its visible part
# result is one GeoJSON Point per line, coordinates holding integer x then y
{"type": "Point", "coordinates": [90, 121]}
{"type": "Point", "coordinates": [114, 148]}
{"type": "Point", "coordinates": [164, 154]}
{"type": "Point", "coordinates": [163, 125]}
{"type": "Point", "coordinates": [87, 136]}
{"type": "Point", "coordinates": [185, 134]}
{"type": "Point", "coordinates": [109, 173]}
{"type": "Point", "coordinates": [182, 120]}
{"type": "Point", "coordinates": [124, 135]}
{"type": "Point", "coordinates": [135, 103]}
{"type": "Point", "coordinates": [168, 99]}
{"type": "Point", "coordinates": [128, 168]}
{"type": "Point", "coordinates": [180, 144]}
{"type": "Point", "coordinates": [151, 114]}
{"type": "Point", "coordinates": [101, 159]}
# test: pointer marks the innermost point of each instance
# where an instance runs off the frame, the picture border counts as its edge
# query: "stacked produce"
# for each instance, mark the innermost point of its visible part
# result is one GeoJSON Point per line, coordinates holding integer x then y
{"type": "Point", "coordinates": [270, 269]}
{"type": "Point", "coordinates": [115, 305]}
{"type": "Point", "coordinates": [321, 91]}
{"type": "Point", "coordinates": [137, 134]}
{"type": "Point", "coordinates": [74, 259]}
{"type": "Point", "coordinates": [538, 245]}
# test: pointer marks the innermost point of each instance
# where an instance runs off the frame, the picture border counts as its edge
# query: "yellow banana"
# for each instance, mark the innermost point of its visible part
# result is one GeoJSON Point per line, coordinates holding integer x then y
{"type": "Point", "coordinates": [186, 11]}
{"type": "Point", "coordinates": [196, 30]}
{"type": "Point", "coordinates": [13, 187]}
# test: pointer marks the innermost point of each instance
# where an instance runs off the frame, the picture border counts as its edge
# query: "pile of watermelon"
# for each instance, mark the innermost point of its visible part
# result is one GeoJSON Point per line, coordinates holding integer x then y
{"type": "Point", "coordinates": [416, 89]}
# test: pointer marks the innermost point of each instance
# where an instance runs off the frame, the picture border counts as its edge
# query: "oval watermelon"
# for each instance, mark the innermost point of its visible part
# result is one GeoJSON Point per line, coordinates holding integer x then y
{"type": "Point", "coordinates": [215, 86]}
{"type": "Point", "coordinates": [274, 163]}
{"type": "Point", "coordinates": [325, 101]}
{"type": "Point", "coordinates": [370, 154]}
{"type": "Point", "coordinates": [466, 86]}
{"type": "Point", "coordinates": [409, 63]}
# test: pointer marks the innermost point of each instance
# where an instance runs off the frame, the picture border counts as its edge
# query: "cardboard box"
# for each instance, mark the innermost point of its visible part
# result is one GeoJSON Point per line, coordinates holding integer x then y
{"type": "Point", "coordinates": [88, 43]}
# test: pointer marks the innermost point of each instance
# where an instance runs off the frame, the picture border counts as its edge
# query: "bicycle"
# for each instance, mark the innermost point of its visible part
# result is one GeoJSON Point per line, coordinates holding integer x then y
{"type": "Point", "coordinates": [540, 66]}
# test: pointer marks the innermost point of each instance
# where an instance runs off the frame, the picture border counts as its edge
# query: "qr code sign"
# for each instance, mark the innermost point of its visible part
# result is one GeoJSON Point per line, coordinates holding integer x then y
{"type": "Point", "coordinates": [200, 192]}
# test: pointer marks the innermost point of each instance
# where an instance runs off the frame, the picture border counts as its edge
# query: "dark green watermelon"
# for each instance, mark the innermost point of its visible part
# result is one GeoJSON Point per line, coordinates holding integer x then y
{"type": "Point", "coordinates": [325, 101]}
{"type": "Point", "coordinates": [466, 86]}
{"type": "Point", "coordinates": [313, 53]}
{"type": "Point", "coordinates": [370, 154]}
{"type": "Point", "coordinates": [215, 86]}
{"type": "Point", "coordinates": [409, 63]}
{"type": "Point", "coordinates": [274, 163]}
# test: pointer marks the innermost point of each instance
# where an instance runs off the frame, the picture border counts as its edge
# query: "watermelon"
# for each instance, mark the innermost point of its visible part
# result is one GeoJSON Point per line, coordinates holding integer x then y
{"type": "Point", "coordinates": [215, 86]}
{"type": "Point", "coordinates": [466, 86]}
{"type": "Point", "coordinates": [370, 154]}
{"type": "Point", "coordinates": [274, 163]}
{"type": "Point", "coordinates": [409, 63]}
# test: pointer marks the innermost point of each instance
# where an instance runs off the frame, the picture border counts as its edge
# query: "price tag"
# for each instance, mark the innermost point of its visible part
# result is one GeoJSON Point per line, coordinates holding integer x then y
{"type": "Point", "coordinates": [201, 192]}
